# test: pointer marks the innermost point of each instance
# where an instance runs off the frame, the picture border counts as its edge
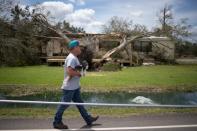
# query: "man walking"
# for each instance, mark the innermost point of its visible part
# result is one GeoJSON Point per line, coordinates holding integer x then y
{"type": "Point", "coordinates": [71, 88]}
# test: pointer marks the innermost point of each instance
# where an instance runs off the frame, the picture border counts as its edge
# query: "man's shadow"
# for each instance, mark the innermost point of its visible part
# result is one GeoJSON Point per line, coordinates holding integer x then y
{"type": "Point", "coordinates": [90, 126]}
{"type": "Point", "coordinates": [84, 127]}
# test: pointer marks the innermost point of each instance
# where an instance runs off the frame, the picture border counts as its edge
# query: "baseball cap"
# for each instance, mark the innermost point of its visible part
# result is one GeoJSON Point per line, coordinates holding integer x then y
{"type": "Point", "coordinates": [73, 43]}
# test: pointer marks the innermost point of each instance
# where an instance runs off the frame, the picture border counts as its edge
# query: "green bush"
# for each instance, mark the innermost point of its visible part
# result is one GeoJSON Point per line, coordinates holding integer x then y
{"type": "Point", "coordinates": [14, 53]}
{"type": "Point", "coordinates": [111, 66]}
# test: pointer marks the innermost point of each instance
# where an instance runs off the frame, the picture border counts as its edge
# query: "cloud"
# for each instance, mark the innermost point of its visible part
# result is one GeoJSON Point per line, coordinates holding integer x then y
{"type": "Point", "coordinates": [73, 1]}
{"type": "Point", "coordinates": [140, 11]}
{"type": "Point", "coordinates": [58, 7]}
{"type": "Point", "coordinates": [136, 13]}
{"type": "Point", "coordinates": [79, 2]}
{"type": "Point", "coordinates": [194, 30]}
{"type": "Point", "coordinates": [60, 11]}
{"type": "Point", "coordinates": [84, 18]}
{"type": "Point", "coordinates": [193, 37]}
{"type": "Point", "coordinates": [57, 10]}
{"type": "Point", "coordinates": [94, 27]}
{"type": "Point", "coordinates": [82, 15]}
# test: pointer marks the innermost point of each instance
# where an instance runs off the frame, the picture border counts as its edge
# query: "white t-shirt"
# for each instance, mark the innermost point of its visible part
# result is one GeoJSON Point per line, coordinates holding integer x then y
{"type": "Point", "coordinates": [73, 83]}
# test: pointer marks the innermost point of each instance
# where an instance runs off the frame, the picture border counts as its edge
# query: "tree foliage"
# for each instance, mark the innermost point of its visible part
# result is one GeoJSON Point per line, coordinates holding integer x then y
{"type": "Point", "coordinates": [21, 34]}
{"type": "Point", "coordinates": [123, 26]}
{"type": "Point", "coordinates": [177, 31]}
{"type": "Point", "coordinates": [168, 26]}
{"type": "Point", "coordinates": [16, 40]}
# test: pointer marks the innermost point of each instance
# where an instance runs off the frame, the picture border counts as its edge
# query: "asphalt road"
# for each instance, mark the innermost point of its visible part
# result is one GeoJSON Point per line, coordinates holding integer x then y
{"type": "Point", "coordinates": [169, 122]}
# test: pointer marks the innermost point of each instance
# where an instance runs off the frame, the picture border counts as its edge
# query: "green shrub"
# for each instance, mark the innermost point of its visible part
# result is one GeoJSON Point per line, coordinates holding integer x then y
{"type": "Point", "coordinates": [111, 66]}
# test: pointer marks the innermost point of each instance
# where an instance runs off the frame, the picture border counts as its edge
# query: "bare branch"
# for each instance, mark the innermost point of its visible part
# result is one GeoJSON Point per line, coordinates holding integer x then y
{"type": "Point", "coordinates": [41, 19]}
{"type": "Point", "coordinates": [124, 43]}
{"type": "Point", "coordinates": [59, 38]}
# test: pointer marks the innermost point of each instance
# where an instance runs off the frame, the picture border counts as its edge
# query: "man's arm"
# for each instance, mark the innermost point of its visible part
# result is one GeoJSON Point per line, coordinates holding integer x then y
{"type": "Point", "coordinates": [71, 72]}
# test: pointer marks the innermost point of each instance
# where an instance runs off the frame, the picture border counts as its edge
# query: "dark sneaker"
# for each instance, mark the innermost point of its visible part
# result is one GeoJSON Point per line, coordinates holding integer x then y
{"type": "Point", "coordinates": [92, 119]}
{"type": "Point", "coordinates": [60, 126]}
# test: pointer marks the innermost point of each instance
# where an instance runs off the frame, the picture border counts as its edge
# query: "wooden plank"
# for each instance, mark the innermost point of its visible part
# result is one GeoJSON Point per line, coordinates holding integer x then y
{"type": "Point", "coordinates": [55, 60]}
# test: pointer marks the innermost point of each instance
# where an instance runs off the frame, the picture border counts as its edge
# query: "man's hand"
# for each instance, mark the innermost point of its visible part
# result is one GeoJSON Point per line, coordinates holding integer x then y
{"type": "Point", "coordinates": [72, 72]}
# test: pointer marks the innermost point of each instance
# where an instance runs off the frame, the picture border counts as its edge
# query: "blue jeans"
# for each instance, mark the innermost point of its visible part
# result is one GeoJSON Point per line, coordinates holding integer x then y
{"type": "Point", "coordinates": [68, 96]}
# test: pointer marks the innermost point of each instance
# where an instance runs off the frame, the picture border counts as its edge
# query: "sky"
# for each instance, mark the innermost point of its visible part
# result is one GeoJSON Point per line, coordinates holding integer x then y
{"type": "Point", "coordinates": [93, 14]}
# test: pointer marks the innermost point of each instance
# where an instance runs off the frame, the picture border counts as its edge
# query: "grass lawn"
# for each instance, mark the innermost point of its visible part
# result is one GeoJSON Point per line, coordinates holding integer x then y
{"type": "Point", "coordinates": [102, 111]}
{"type": "Point", "coordinates": [37, 79]}
{"type": "Point", "coordinates": [153, 78]}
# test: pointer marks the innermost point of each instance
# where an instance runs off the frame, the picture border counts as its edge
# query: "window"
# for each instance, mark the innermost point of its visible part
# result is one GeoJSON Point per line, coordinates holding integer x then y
{"type": "Point", "coordinates": [143, 46]}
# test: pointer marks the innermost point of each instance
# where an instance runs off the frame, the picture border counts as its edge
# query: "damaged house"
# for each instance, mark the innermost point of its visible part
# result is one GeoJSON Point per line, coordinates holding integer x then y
{"type": "Point", "coordinates": [142, 50]}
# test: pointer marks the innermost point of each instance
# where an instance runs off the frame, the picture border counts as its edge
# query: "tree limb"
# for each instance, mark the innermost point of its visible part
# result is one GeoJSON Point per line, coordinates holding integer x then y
{"type": "Point", "coordinates": [120, 47]}
{"type": "Point", "coordinates": [41, 19]}
{"type": "Point", "coordinates": [59, 38]}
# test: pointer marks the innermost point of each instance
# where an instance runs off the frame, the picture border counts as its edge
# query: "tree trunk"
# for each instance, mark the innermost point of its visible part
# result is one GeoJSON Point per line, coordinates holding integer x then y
{"type": "Point", "coordinates": [129, 53]}
{"type": "Point", "coordinates": [120, 47]}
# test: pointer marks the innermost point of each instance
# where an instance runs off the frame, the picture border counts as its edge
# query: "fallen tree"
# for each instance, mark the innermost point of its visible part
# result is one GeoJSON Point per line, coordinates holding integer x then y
{"type": "Point", "coordinates": [125, 42]}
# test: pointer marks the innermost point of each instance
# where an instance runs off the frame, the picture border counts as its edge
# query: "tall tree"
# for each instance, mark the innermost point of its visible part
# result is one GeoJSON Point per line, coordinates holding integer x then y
{"type": "Point", "coordinates": [118, 25]}
{"type": "Point", "coordinates": [66, 26]}
{"type": "Point", "coordinates": [168, 27]}
{"type": "Point", "coordinates": [165, 18]}
{"type": "Point", "coordinates": [18, 46]}
{"type": "Point", "coordinates": [177, 30]}
{"type": "Point", "coordinates": [123, 26]}
{"type": "Point", "coordinates": [129, 33]}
